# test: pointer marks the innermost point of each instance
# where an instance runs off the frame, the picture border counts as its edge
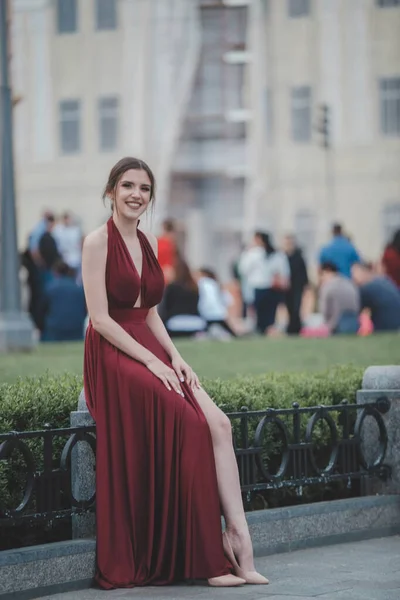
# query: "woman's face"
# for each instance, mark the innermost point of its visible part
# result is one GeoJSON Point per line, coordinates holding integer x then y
{"type": "Point", "coordinates": [132, 194]}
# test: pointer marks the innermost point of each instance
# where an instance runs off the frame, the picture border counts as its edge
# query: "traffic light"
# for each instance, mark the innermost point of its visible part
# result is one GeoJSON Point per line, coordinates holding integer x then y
{"type": "Point", "coordinates": [324, 125]}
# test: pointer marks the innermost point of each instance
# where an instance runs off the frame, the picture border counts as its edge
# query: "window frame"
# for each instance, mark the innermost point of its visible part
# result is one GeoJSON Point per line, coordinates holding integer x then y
{"type": "Point", "coordinates": [389, 106]}
{"type": "Point", "coordinates": [298, 9]}
{"type": "Point", "coordinates": [59, 14]}
{"type": "Point", "coordinates": [300, 104]}
{"type": "Point", "coordinates": [64, 118]}
{"type": "Point", "coordinates": [101, 10]}
{"type": "Point", "coordinates": [390, 3]}
{"type": "Point", "coordinates": [108, 113]}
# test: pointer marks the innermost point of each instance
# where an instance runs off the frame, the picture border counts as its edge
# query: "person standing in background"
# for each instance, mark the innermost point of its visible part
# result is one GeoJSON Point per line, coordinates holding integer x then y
{"type": "Point", "coordinates": [391, 259]}
{"type": "Point", "coordinates": [48, 252]}
{"type": "Point", "coordinates": [298, 283]}
{"type": "Point", "coordinates": [167, 249]}
{"type": "Point", "coordinates": [36, 234]}
{"type": "Point", "coordinates": [267, 273]}
{"type": "Point", "coordinates": [340, 252]}
{"type": "Point", "coordinates": [68, 236]}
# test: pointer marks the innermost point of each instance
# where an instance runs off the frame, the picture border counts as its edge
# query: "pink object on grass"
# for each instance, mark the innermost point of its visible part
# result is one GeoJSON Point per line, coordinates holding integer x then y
{"type": "Point", "coordinates": [321, 331]}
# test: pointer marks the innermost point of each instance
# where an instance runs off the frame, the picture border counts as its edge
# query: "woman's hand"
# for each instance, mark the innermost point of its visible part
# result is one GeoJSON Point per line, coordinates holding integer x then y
{"type": "Point", "coordinates": [167, 375]}
{"type": "Point", "coordinates": [185, 373]}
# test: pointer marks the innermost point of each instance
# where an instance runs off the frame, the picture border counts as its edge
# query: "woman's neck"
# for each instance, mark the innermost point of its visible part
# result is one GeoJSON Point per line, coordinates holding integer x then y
{"type": "Point", "coordinates": [126, 227]}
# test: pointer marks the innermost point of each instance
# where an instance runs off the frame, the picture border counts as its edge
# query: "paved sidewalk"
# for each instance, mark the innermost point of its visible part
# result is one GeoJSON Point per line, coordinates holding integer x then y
{"type": "Point", "coordinates": [368, 570]}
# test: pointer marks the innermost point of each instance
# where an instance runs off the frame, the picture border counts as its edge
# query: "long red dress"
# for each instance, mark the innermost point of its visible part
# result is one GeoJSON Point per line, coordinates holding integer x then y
{"type": "Point", "coordinates": [158, 511]}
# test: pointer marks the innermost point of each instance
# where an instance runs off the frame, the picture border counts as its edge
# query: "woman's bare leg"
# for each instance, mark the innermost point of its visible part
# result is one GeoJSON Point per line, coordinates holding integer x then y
{"type": "Point", "coordinates": [228, 480]}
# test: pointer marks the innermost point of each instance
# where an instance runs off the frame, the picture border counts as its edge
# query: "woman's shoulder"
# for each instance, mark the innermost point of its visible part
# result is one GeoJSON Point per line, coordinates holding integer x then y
{"type": "Point", "coordinates": [97, 239]}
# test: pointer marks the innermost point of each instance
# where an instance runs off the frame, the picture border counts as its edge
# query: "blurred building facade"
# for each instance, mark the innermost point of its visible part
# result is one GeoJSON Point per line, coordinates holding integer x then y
{"type": "Point", "coordinates": [223, 98]}
{"type": "Point", "coordinates": [98, 79]}
{"type": "Point", "coordinates": [345, 55]}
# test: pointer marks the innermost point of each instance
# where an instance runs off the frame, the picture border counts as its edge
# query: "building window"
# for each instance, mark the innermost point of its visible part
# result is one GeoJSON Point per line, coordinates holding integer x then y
{"type": "Point", "coordinates": [108, 123]}
{"type": "Point", "coordinates": [390, 220]}
{"type": "Point", "coordinates": [298, 8]}
{"type": "Point", "coordinates": [70, 117]}
{"type": "Point", "coordinates": [301, 113]}
{"type": "Point", "coordinates": [387, 3]}
{"type": "Point", "coordinates": [66, 16]}
{"type": "Point", "coordinates": [265, 7]}
{"type": "Point", "coordinates": [390, 106]}
{"type": "Point", "coordinates": [106, 14]}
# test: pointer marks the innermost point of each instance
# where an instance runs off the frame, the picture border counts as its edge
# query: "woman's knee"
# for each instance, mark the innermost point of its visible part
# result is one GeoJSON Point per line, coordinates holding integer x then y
{"type": "Point", "coordinates": [221, 429]}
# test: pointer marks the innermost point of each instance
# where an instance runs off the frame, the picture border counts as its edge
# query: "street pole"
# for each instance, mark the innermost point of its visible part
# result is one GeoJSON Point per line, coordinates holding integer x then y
{"type": "Point", "coordinates": [16, 329]}
{"type": "Point", "coordinates": [324, 127]}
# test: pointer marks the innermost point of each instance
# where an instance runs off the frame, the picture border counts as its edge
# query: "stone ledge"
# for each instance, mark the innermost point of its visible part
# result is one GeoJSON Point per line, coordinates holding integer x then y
{"type": "Point", "coordinates": [45, 551]}
{"type": "Point", "coordinates": [66, 566]}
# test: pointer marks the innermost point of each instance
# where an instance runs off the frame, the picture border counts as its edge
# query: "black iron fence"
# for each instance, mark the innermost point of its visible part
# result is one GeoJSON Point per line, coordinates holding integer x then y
{"type": "Point", "coordinates": [38, 465]}
{"type": "Point", "coordinates": [275, 449]}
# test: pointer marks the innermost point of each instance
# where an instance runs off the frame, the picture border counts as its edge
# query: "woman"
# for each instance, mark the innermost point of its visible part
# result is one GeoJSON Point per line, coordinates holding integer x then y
{"type": "Point", "coordinates": [158, 518]}
{"type": "Point", "coordinates": [178, 309]}
{"type": "Point", "coordinates": [391, 259]}
{"type": "Point", "coordinates": [213, 301]}
{"type": "Point", "coordinates": [267, 272]}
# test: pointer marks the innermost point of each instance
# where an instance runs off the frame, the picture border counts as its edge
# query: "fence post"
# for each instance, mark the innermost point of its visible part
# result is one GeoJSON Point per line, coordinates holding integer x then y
{"type": "Point", "coordinates": [82, 473]}
{"type": "Point", "coordinates": [379, 381]}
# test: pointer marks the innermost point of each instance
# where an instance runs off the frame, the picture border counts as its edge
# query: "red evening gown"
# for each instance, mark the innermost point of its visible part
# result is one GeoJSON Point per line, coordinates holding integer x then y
{"type": "Point", "coordinates": [158, 511]}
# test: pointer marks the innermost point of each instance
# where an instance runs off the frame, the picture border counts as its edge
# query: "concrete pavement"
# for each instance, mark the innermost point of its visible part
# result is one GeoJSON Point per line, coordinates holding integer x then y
{"type": "Point", "coordinates": [367, 570]}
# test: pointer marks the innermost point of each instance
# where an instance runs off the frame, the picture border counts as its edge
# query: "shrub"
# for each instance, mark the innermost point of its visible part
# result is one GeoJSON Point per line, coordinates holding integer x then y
{"type": "Point", "coordinates": [30, 403]}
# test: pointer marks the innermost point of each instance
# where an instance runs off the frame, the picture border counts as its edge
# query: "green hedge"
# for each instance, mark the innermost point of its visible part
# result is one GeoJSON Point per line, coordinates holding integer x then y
{"type": "Point", "coordinates": [30, 403]}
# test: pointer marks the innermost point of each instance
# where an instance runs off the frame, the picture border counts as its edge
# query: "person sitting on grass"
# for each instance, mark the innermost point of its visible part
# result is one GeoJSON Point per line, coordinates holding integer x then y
{"type": "Point", "coordinates": [339, 301]}
{"type": "Point", "coordinates": [178, 308]}
{"type": "Point", "coordinates": [64, 307]}
{"type": "Point", "coordinates": [213, 304]}
{"type": "Point", "coordinates": [380, 295]}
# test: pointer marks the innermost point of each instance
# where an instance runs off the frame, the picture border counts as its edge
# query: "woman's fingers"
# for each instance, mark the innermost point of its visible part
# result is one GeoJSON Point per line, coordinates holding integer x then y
{"type": "Point", "coordinates": [190, 376]}
{"type": "Point", "coordinates": [180, 374]}
{"type": "Point", "coordinates": [173, 379]}
{"type": "Point", "coordinates": [165, 382]}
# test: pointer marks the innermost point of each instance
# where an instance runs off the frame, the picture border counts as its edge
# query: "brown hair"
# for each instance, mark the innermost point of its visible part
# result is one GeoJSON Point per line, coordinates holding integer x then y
{"type": "Point", "coordinates": [123, 165]}
{"type": "Point", "coordinates": [183, 275]}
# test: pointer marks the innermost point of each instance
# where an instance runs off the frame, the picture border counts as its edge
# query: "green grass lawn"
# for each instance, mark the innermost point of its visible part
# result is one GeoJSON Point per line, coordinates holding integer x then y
{"type": "Point", "coordinates": [227, 360]}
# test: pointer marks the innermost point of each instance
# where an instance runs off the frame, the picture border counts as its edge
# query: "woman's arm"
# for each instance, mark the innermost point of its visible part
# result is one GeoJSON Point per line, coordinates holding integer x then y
{"type": "Point", "coordinates": [94, 258]}
{"type": "Point", "coordinates": [155, 324]}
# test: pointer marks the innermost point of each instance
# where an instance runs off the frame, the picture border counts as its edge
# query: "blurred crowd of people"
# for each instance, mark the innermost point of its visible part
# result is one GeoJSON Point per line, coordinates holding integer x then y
{"type": "Point", "coordinates": [351, 296]}
{"type": "Point", "coordinates": [52, 260]}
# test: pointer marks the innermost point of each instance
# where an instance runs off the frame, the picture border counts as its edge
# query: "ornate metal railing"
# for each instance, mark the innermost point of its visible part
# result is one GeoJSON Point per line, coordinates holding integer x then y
{"type": "Point", "coordinates": [275, 449]}
{"type": "Point", "coordinates": [47, 490]}
{"type": "Point", "coordinates": [297, 457]}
